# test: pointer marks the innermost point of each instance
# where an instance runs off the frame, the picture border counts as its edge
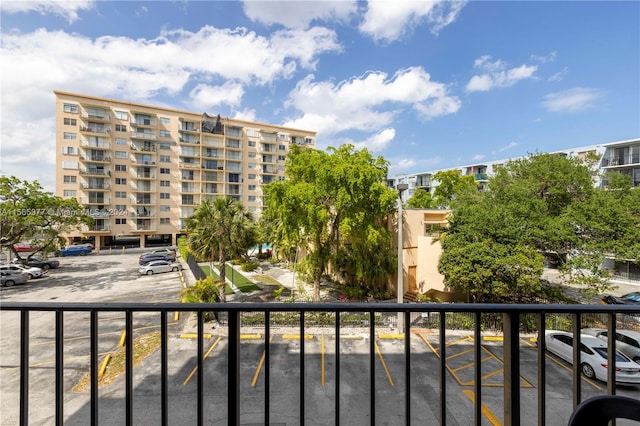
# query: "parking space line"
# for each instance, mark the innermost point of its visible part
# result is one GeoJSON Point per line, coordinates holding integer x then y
{"type": "Point", "coordinates": [44, 363]}
{"type": "Point", "coordinates": [485, 411]}
{"type": "Point", "coordinates": [260, 364]}
{"type": "Point", "coordinates": [457, 354]}
{"type": "Point", "coordinates": [250, 336]}
{"type": "Point", "coordinates": [384, 364]}
{"type": "Point", "coordinates": [205, 356]}
{"type": "Point", "coordinates": [322, 361]}
{"type": "Point", "coordinates": [195, 336]}
{"type": "Point", "coordinates": [297, 336]}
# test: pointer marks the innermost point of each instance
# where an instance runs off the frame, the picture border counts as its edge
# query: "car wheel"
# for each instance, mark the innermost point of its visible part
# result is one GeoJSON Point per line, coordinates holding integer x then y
{"type": "Point", "coordinates": [31, 276]}
{"type": "Point", "coordinates": [9, 283]}
{"type": "Point", "coordinates": [83, 253]}
{"type": "Point", "coordinates": [587, 370]}
{"type": "Point", "coordinates": [149, 272]}
{"type": "Point", "coordinates": [46, 267]}
{"type": "Point", "coordinates": [174, 269]}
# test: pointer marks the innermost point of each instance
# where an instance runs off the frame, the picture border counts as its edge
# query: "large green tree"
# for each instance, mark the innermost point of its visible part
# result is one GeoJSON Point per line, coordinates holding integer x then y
{"type": "Point", "coordinates": [421, 199]}
{"type": "Point", "coordinates": [29, 213]}
{"type": "Point", "coordinates": [220, 229]}
{"type": "Point", "coordinates": [334, 205]}
{"type": "Point", "coordinates": [542, 204]}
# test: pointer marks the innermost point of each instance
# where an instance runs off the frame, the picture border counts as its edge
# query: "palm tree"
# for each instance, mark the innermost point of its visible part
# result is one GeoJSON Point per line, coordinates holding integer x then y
{"type": "Point", "coordinates": [219, 229]}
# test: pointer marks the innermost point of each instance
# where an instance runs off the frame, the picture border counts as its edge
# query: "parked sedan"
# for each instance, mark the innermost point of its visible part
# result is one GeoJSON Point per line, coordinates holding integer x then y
{"type": "Point", "coordinates": [159, 266]}
{"type": "Point", "coordinates": [593, 357]}
{"type": "Point", "coordinates": [627, 341]}
{"type": "Point", "coordinates": [9, 279]}
{"type": "Point", "coordinates": [21, 247]}
{"type": "Point", "coordinates": [74, 251]}
{"type": "Point", "coordinates": [79, 244]}
{"type": "Point", "coordinates": [31, 271]}
{"type": "Point", "coordinates": [164, 250]}
{"type": "Point", "coordinates": [626, 299]}
{"type": "Point", "coordinates": [150, 257]}
{"type": "Point", "coordinates": [38, 262]}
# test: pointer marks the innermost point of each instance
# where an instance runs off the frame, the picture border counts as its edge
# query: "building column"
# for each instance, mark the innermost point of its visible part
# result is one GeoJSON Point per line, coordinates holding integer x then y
{"type": "Point", "coordinates": [142, 241]}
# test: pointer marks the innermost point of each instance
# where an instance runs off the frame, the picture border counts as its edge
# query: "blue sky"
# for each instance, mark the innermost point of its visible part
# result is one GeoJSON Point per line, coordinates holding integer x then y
{"type": "Point", "coordinates": [425, 85]}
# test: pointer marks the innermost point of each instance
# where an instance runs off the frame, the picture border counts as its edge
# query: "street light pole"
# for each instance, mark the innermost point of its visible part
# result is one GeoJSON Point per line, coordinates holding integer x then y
{"type": "Point", "coordinates": [400, 286]}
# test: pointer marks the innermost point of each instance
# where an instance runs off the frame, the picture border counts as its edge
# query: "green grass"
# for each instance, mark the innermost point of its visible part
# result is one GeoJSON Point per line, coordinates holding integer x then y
{"type": "Point", "coordinates": [243, 283]}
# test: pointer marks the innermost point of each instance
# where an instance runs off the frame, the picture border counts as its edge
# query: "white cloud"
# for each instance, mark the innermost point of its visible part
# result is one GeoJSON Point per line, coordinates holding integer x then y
{"type": "Point", "coordinates": [298, 14]}
{"type": "Point", "coordinates": [246, 114]}
{"type": "Point", "coordinates": [369, 102]}
{"type": "Point", "coordinates": [64, 8]}
{"type": "Point", "coordinates": [497, 75]}
{"type": "Point", "coordinates": [410, 165]}
{"type": "Point", "coordinates": [379, 141]}
{"type": "Point", "coordinates": [545, 58]}
{"type": "Point", "coordinates": [571, 100]}
{"type": "Point", "coordinates": [507, 147]}
{"type": "Point", "coordinates": [204, 97]}
{"type": "Point", "coordinates": [559, 75]}
{"type": "Point", "coordinates": [34, 64]}
{"type": "Point", "coordinates": [387, 21]}
{"type": "Point", "coordinates": [478, 157]}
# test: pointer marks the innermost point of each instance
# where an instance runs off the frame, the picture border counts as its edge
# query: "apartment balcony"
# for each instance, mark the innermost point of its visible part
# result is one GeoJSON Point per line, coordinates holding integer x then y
{"type": "Point", "coordinates": [143, 188]}
{"type": "Point", "coordinates": [187, 177]}
{"type": "Point", "coordinates": [269, 170]}
{"type": "Point", "coordinates": [185, 165]}
{"type": "Point", "coordinates": [96, 229]}
{"type": "Point", "coordinates": [95, 159]}
{"type": "Point", "coordinates": [96, 130]}
{"type": "Point", "coordinates": [99, 213]}
{"type": "Point", "coordinates": [96, 116]}
{"type": "Point", "coordinates": [94, 145]}
{"type": "Point", "coordinates": [621, 160]}
{"type": "Point", "coordinates": [143, 214]}
{"type": "Point", "coordinates": [139, 121]}
{"type": "Point", "coordinates": [480, 176]}
{"type": "Point", "coordinates": [144, 227]}
{"type": "Point", "coordinates": [143, 175]}
{"type": "Point", "coordinates": [189, 141]}
{"type": "Point", "coordinates": [337, 363]}
{"type": "Point", "coordinates": [148, 148]}
{"type": "Point", "coordinates": [146, 163]}
{"type": "Point", "coordinates": [95, 172]}
{"type": "Point", "coordinates": [142, 201]}
{"type": "Point", "coordinates": [151, 136]}
{"type": "Point", "coordinates": [96, 186]}
{"type": "Point", "coordinates": [98, 201]}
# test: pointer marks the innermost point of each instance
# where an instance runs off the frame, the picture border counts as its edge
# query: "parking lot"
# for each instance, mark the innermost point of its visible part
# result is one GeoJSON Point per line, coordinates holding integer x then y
{"type": "Point", "coordinates": [114, 278]}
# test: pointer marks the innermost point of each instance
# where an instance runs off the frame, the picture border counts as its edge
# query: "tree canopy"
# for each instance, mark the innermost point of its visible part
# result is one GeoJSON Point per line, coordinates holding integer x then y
{"type": "Point", "coordinates": [220, 229]}
{"type": "Point", "coordinates": [334, 205]}
{"type": "Point", "coordinates": [28, 213]}
{"type": "Point", "coordinates": [543, 204]}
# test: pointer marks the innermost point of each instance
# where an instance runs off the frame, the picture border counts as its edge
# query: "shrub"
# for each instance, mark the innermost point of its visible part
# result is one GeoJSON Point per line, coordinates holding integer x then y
{"type": "Point", "coordinates": [203, 291]}
{"type": "Point", "coordinates": [250, 266]}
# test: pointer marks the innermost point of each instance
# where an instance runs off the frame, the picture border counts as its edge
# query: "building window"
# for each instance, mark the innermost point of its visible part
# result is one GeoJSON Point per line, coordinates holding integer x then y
{"type": "Point", "coordinates": [252, 165]}
{"type": "Point", "coordinates": [121, 115]}
{"type": "Point", "coordinates": [121, 207]}
{"type": "Point", "coordinates": [281, 157]}
{"type": "Point", "coordinates": [70, 150]}
{"type": "Point", "coordinates": [165, 208]}
{"type": "Point", "coordinates": [164, 196]}
{"type": "Point", "coordinates": [165, 171]}
{"type": "Point", "coordinates": [165, 183]}
{"type": "Point", "coordinates": [121, 181]}
{"type": "Point", "coordinates": [121, 221]}
{"type": "Point", "coordinates": [165, 134]}
{"type": "Point", "coordinates": [252, 187]}
{"type": "Point", "coordinates": [70, 121]}
{"type": "Point", "coordinates": [70, 165]}
{"type": "Point", "coordinates": [121, 154]}
{"type": "Point", "coordinates": [251, 176]}
{"type": "Point", "coordinates": [121, 128]}
{"type": "Point", "coordinates": [121, 194]}
{"type": "Point", "coordinates": [69, 179]}
{"type": "Point", "coordinates": [70, 108]}
{"type": "Point", "coordinates": [252, 143]}
{"type": "Point", "coordinates": [121, 167]}
{"type": "Point", "coordinates": [70, 136]}
{"type": "Point", "coordinates": [69, 193]}
{"type": "Point", "coordinates": [165, 221]}
{"type": "Point", "coordinates": [282, 147]}
{"type": "Point", "coordinates": [252, 198]}
{"type": "Point", "coordinates": [121, 141]}
{"type": "Point", "coordinates": [164, 146]}
{"type": "Point", "coordinates": [234, 177]}
{"type": "Point", "coordinates": [165, 159]}
{"type": "Point", "coordinates": [165, 120]}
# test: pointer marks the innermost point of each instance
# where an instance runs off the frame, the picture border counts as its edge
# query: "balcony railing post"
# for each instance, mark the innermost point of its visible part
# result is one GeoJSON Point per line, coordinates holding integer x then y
{"type": "Point", "coordinates": [233, 369]}
{"type": "Point", "coordinates": [59, 367]}
{"type": "Point", "coordinates": [511, 350]}
{"type": "Point", "coordinates": [24, 367]}
{"type": "Point", "coordinates": [542, 381]}
{"type": "Point", "coordinates": [577, 379]}
{"type": "Point", "coordinates": [611, 354]}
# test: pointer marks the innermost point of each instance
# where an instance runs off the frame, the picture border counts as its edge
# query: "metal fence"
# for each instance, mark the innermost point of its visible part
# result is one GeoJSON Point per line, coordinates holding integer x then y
{"type": "Point", "coordinates": [336, 315]}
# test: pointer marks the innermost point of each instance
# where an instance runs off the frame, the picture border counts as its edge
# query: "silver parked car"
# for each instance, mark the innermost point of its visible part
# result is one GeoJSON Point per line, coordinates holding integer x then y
{"type": "Point", "coordinates": [627, 341]}
{"type": "Point", "coordinates": [32, 271]}
{"type": "Point", "coordinates": [9, 278]}
{"type": "Point", "coordinates": [159, 266]}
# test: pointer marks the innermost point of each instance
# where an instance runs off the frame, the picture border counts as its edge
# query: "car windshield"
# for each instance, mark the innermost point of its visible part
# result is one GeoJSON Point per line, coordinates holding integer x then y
{"type": "Point", "coordinates": [634, 297]}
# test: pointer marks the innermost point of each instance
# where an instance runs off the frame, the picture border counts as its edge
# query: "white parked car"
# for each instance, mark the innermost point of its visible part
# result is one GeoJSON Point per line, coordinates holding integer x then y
{"type": "Point", "coordinates": [627, 341]}
{"type": "Point", "coordinates": [593, 357]}
{"type": "Point", "coordinates": [159, 266]}
{"type": "Point", "coordinates": [33, 272]}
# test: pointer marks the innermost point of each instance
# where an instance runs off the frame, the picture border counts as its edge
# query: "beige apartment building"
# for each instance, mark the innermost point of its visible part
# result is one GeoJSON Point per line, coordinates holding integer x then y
{"type": "Point", "coordinates": [140, 171]}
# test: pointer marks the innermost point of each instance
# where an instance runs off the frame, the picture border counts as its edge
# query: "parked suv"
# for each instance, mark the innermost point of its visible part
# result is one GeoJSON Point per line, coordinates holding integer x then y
{"type": "Point", "coordinates": [627, 341]}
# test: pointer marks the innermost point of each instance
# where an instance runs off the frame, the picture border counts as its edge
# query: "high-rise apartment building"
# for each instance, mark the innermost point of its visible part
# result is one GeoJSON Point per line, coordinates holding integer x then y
{"type": "Point", "coordinates": [140, 170]}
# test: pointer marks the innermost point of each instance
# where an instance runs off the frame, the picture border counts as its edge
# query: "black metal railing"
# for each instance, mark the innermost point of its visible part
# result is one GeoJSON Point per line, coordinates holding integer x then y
{"type": "Point", "coordinates": [370, 316]}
